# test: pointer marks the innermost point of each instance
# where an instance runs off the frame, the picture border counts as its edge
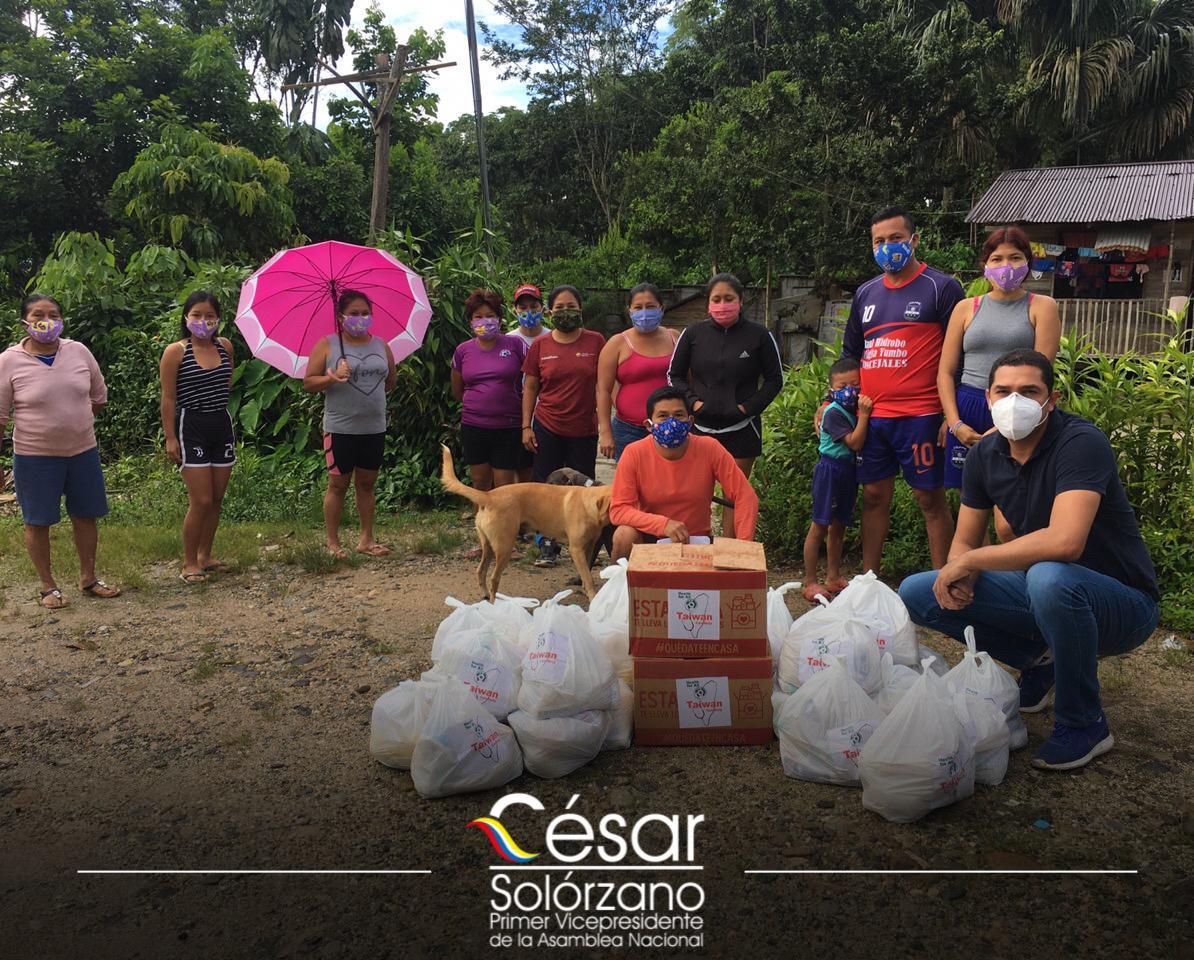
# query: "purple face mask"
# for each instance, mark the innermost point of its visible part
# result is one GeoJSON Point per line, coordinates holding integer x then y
{"type": "Point", "coordinates": [200, 329]}
{"type": "Point", "coordinates": [1006, 277]}
{"type": "Point", "coordinates": [44, 331]}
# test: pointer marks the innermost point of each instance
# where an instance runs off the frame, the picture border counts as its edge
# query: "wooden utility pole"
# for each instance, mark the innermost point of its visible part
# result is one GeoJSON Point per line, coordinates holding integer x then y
{"type": "Point", "coordinates": [388, 78]}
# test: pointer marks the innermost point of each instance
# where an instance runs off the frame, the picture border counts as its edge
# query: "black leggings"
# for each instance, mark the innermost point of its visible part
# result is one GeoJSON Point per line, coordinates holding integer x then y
{"type": "Point", "coordinates": [579, 453]}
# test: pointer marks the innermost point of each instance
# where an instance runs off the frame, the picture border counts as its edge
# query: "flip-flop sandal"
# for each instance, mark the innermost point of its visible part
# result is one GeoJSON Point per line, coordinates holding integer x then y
{"type": "Point", "coordinates": [94, 589]}
{"type": "Point", "coordinates": [374, 550]}
{"type": "Point", "coordinates": [340, 554]}
{"type": "Point", "coordinates": [218, 566]}
{"type": "Point", "coordinates": [197, 576]}
{"type": "Point", "coordinates": [837, 586]}
{"type": "Point", "coordinates": [59, 600]}
{"type": "Point", "coordinates": [474, 554]}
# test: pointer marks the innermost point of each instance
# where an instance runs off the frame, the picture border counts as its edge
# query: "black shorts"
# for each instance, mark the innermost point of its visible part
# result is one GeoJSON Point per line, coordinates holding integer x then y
{"type": "Point", "coordinates": [745, 443]}
{"type": "Point", "coordinates": [347, 451]}
{"type": "Point", "coordinates": [206, 439]}
{"type": "Point", "coordinates": [500, 447]}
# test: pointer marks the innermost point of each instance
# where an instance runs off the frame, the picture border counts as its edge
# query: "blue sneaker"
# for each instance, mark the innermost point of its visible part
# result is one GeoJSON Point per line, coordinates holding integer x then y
{"type": "Point", "coordinates": [1072, 747]}
{"type": "Point", "coordinates": [1036, 687]}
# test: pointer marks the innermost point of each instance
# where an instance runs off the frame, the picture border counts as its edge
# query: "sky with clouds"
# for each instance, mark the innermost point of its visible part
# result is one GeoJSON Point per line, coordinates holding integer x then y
{"type": "Point", "coordinates": [453, 84]}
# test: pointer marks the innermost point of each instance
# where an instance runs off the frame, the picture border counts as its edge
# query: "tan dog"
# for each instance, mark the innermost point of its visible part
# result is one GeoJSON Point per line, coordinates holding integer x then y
{"type": "Point", "coordinates": [573, 515]}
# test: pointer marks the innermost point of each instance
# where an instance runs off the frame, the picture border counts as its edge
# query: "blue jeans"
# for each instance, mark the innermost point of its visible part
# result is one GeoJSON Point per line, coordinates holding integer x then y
{"type": "Point", "coordinates": [624, 435]}
{"type": "Point", "coordinates": [1077, 614]}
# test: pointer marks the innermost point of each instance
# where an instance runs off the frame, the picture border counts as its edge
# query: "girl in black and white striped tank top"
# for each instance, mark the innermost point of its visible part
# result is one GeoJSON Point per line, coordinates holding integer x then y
{"type": "Point", "coordinates": [200, 389]}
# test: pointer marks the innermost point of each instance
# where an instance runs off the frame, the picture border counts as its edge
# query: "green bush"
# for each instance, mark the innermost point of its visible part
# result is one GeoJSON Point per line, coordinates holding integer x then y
{"type": "Point", "coordinates": [1145, 405]}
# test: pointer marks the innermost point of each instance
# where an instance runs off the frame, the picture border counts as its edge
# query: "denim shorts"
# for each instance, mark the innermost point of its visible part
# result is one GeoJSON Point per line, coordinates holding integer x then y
{"type": "Point", "coordinates": [42, 482]}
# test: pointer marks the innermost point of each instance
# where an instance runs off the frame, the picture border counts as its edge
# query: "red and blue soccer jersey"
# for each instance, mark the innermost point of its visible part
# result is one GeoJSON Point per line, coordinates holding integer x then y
{"type": "Point", "coordinates": [896, 333]}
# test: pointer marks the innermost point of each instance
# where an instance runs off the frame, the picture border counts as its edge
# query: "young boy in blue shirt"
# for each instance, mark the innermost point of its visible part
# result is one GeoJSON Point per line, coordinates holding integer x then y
{"type": "Point", "coordinates": [835, 488]}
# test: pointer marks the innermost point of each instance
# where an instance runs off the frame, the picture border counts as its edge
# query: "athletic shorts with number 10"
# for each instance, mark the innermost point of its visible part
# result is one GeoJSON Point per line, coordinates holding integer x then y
{"type": "Point", "coordinates": [903, 443]}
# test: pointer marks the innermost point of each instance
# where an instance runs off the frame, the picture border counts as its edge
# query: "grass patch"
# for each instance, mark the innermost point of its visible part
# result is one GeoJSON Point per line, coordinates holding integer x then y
{"type": "Point", "coordinates": [436, 543]}
{"type": "Point", "coordinates": [133, 554]}
{"type": "Point", "coordinates": [380, 648]}
{"type": "Point", "coordinates": [1177, 658]}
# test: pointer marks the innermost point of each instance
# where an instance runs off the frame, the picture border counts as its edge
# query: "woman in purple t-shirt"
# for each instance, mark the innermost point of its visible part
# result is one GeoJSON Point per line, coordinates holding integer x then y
{"type": "Point", "coordinates": [487, 379]}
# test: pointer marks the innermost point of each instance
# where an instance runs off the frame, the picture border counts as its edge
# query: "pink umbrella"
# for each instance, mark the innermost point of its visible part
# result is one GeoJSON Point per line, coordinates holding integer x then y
{"type": "Point", "coordinates": [290, 302]}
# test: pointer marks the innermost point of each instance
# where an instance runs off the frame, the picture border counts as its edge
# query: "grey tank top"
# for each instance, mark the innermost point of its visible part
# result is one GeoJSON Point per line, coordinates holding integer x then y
{"type": "Point", "coordinates": [358, 406]}
{"type": "Point", "coordinates": [997, 327]}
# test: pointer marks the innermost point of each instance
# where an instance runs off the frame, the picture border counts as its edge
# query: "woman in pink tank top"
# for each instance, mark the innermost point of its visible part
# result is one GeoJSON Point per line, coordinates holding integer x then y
{"type": "Point", "coordinates": [634, 362]}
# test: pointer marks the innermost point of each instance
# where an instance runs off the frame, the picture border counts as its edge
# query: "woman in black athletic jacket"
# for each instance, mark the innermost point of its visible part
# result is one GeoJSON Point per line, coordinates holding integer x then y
{"type": "Point", "coordinates": [731, 370]}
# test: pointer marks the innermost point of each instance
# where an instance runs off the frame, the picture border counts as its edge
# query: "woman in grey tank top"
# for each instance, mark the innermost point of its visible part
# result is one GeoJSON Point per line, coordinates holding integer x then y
{"type": "Point", "coordinates": [354, 370]}
{"type": "Point", "coordinates": [981, 329]}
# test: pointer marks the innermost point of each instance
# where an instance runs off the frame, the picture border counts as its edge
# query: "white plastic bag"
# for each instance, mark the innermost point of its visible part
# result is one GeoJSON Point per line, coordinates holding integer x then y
{"type": "Point", "coordinates": [462, 747]}
{"type": "Point", "coordinates": [807, 623]}
{"type": "Point", "coordinates": [612, 602]}
{"type": "Point", "coordinates": [398, 718]}
{"type": "Point", "coordinates": [987, 729]}
{"type": "Point", "coordinates": [920, 758]}
{"type": "Point", "coordinates": [513, 613]}
{"type": "Point", "coordinates": [824, 725]}
{"type": "Point", "coordinates": [621, 720]}
{"type": "Point", "coordinates": [978, 675]}
{"type": "Point", "coordinates": [937, 663]}
{"type": "Point", "coordinates": [564, 672]}
{"type": "Point", "coordinates": [555, 746]}
{"type": "Point", "coordinates": [895, 681]}
{"type": "Point", "coordinates": [778, 699]}
{"type": "Point", "coordinates": [831, 633]}
{"type": "Point", "coordinates": [491, 666]}
{"type": "Point", "coordinates": [779, 617]}
{"type": "Point", "coordinates": [875, 602]}
{"type": "Point", "coordinates": [464, 616]}
{"type": "Point", "coordinates": [614, 639]}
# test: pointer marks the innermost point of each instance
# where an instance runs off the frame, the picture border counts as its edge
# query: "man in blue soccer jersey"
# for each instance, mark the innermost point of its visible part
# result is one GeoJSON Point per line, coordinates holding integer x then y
{"type": "Point", "coordinates": [896, 327]}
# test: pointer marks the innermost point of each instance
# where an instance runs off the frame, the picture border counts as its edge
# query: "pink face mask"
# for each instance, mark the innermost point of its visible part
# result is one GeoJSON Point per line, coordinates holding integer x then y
{"type": "Point", "coordinates": [1006, 277]}
{"type": "Point", "coordinates": [724, 314]}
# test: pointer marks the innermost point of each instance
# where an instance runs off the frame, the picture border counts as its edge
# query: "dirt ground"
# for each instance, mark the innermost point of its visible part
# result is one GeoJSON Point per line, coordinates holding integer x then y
{"type": "Point", "coordinates": [226, 726]}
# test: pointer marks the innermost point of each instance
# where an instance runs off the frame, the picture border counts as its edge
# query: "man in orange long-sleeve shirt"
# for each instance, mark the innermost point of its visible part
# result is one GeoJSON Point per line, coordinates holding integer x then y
{"type": "Point", "coordinates": [663, 486]}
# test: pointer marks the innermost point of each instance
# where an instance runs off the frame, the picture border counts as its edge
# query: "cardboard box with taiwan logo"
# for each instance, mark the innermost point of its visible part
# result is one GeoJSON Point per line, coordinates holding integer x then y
{"type": "Point", "coordinates": [698, 601]}
{"type": "Point", "coordinates": [722, 700]}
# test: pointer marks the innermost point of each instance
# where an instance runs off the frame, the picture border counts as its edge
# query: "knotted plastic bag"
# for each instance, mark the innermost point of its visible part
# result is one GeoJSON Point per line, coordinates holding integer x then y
{"type": "Point", "coordinates": [491, 666]}
{"type": "Point", "coordinates": [621, 720]}
{"type": "Point", "coordinates": [614, 639]}
{"type": "Point", "coordinates": [872, 600]}
{"type": "Point", "coordinates": [779, 617]}
{"type": "Point", "coordinates": [895, 680]}
{"type": "Point", "coordinates": [398, 718]}
{"type": "Point", "coordinates": [920, 758]}
{"type": "Point", "coordinates": [823, 633]}
{"type": "Point", "coordinates": [564, 672]}
{"type": "Point", "coordinates": [462, 747]}
{"type": "Point", "coordinates": [555, 746]}
{"type": "Point", "coordinates": [987, 729]}
{"type": "Point", "coordinates": [980, 676]}
{"type": "Point", "coordinates": [824, 725]}
{"type": "Point", "coordinates": [612, 602]}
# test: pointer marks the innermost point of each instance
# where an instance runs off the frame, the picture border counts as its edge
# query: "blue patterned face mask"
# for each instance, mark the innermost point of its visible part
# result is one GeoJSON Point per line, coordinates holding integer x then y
{"type": "Point", "coordinates": [671, 433]}
{"type": "Point", "coordinates": [893, 257]}
{"type": "Point", "coordinates": [846, 396]}
{"type": "Point", "coordinates": [530, 319]}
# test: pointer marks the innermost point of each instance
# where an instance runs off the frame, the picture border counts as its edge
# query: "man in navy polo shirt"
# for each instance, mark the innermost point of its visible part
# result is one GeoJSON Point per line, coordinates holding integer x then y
{"type": "Point", "coordinates": [1074, 584]}
{"type": "Point", "coordinates": [896, 327]}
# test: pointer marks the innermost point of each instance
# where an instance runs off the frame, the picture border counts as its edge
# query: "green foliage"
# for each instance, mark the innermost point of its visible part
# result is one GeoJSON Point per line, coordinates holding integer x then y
{"type": "Point", "coordinates": [1145, 405]}
{"type": "Point", "coordinates": [206, 197]}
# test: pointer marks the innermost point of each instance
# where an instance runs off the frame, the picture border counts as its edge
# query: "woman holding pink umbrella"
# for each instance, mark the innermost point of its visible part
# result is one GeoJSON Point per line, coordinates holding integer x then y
{"type": "Point", "coordinates": [354, 370]}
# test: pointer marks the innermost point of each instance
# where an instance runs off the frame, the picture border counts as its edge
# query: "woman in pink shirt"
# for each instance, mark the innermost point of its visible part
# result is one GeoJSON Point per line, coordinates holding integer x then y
{"type": "Point", "coordinates": [636, 362]}
{"type": "Point", "coordinates": [52, 388]}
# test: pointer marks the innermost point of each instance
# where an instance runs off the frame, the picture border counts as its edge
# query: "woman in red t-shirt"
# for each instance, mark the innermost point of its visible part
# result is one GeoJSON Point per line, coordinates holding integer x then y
{"type": "Point", "coordinates": [559, 395]}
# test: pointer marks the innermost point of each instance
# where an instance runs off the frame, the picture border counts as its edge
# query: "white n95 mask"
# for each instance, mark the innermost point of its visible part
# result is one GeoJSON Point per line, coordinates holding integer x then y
{"type": "Point", "coordinates": [1016, 416]}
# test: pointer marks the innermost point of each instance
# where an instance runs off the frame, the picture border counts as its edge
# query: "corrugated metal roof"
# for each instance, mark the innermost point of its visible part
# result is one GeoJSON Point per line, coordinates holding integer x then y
{"type": "Point", "coordinates": [1100, 194]}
